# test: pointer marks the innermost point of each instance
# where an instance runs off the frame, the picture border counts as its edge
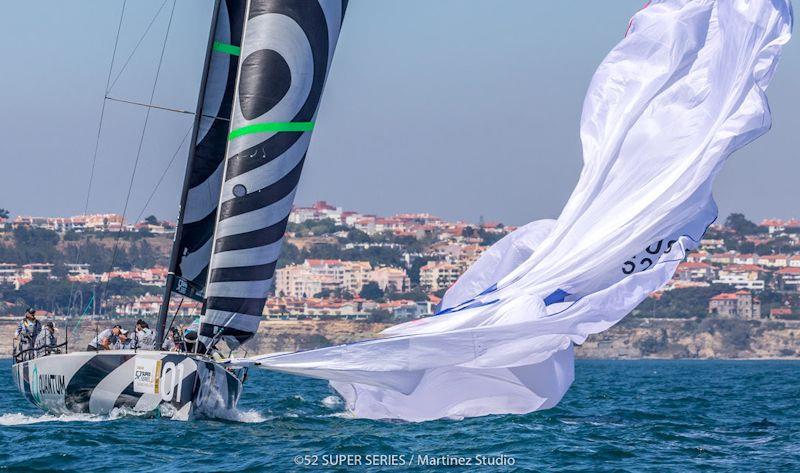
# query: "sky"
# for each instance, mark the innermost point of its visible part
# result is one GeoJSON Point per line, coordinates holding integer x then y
{"type": "Point", "coordinates": [461, 108]}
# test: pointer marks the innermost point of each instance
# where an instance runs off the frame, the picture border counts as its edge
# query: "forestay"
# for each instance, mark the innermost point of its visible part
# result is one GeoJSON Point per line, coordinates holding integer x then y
{"type": "Point", "coordinates": [683, 90]}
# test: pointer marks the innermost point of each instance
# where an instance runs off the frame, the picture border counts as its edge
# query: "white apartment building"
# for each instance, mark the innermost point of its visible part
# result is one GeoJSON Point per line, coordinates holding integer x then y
{"type": "Point", "coordinates": [392, 279]}
{"type": "Point", "coordinates": [315, 275]}
{"type": "Point", "coordinates": [741, 277]}
{"type": "Point", "coordinates": [438, 275]}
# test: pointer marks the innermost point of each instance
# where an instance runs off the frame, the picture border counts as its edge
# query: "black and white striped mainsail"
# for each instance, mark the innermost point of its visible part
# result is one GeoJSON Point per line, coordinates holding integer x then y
{"type": "Point", "coordinates": [286, 52]}
{"type": "Point", "coordinates": [204, 173]}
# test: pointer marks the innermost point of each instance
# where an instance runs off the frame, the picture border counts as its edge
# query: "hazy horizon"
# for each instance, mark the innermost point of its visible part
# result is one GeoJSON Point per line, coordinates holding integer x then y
{"type": "Point", "coordinates": [456, 108]}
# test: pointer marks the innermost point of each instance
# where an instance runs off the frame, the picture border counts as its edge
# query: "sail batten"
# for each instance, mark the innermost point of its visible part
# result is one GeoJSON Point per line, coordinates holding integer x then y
{"type": "Point", "coordinates": [285, 54]}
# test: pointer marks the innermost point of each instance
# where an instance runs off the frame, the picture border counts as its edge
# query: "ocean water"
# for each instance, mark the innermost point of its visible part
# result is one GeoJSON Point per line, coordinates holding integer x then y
{"type": "Point", "coordinates": [618, 415]}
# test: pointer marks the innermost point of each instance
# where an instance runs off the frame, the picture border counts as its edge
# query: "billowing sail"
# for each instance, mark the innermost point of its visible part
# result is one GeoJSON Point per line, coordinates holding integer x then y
{"type": "Point", "coordinates": [665, 109]}
{"type": "Point", "coordinates": [204, 173]}
{"type": "Point", "coordinates": [286, 52]}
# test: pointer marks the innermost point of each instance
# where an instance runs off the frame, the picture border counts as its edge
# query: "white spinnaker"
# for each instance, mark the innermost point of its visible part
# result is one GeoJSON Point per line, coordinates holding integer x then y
{"type": "Point", "coordinates": [672, 100]}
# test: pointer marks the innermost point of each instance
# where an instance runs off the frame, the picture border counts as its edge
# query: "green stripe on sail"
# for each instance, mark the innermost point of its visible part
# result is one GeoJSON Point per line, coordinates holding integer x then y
{"type": "Point", "coordinates": [226, 48]}
{"type": "Point", "coordinates": [271, 128]}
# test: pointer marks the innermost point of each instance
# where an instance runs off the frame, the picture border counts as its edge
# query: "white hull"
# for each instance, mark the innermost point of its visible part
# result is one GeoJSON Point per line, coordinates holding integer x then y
{"type": "Point", "coordinates": [143, 381]}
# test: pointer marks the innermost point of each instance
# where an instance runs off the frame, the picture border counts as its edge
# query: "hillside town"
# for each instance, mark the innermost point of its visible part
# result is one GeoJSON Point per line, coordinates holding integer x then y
{"type": "Point", "coordinates": [342, 264]}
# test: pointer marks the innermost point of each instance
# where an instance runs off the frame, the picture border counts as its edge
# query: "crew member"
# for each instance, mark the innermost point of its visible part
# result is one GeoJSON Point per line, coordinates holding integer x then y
{"type": "Point", "coordinates": [173, 340]}
{"type": "Point", "coordinates": [190, 334]}
{"type": "Point", "coordinates": [46, 341]}
{"type": "Point", "coordinates": [106, 339]}
{"type": "Point", "coordinates": [123, 342]}
{"type": "Point", "coordinates": [143, 338]}
{"type": "Point", "coordinates": [26, 333]}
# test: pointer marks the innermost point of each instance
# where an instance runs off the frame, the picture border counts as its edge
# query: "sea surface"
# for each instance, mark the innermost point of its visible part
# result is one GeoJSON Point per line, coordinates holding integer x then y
{"type": "Point", "coordinates": [618, 416]}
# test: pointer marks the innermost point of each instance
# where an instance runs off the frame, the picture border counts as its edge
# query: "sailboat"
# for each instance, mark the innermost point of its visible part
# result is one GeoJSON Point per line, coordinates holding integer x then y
{"type": "Point", "coordinates": [265, 67]}
{"type": "Point", "coordinates": [682, 91]}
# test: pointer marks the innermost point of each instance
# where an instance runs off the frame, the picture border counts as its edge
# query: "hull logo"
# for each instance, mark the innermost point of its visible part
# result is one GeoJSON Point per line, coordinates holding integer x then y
{"type": "Point", "coordinates": [47, 385]}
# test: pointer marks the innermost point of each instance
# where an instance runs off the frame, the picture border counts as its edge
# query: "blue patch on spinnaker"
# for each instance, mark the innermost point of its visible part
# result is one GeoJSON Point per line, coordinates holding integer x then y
{"type": "Point", "coordinates": [557, 296]}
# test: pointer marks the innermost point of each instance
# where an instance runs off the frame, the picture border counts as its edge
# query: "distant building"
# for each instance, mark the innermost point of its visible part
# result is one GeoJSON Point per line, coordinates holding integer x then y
{"type": "Point", "coordinates": [788, 279]}
{"type": "Point", "coordinates": [407, 310]}
{"type": "Point", "coordinates": [30, 271]}
{"type": "Point", "coordinates": [697, 272]}
{"type": "Point", "coordinates": [8, 272]}
{"type": "Point", "coordinates": [78, 223]}
{"type": "Point", "coordinates": [724, 258]}
{"type": "Point", "coordinates": [148, 305]}
{"type": "Point", "coordinates": [712, 244]}
{"type": "Point", "coordinates": [739, 304]}
{"type": "Point", "coordinates": [775, 225]}
{"type": "Point", "coordinates": [391, 279]}
{"type": "Point", "coordinates": [438, 275]}
{"type": "Point", "coordinates": [293, 308]}
{"type": "Point", "coordinates": [319, 211]}
{"type": "Point", "coordinates": [698, 257]}
{"type": "Point", "coordinates": [315, 275]}
{"type": "Point", "coordinates": [741, 276]}
{"type": "Point", "coordinates": [780, 313]}
{"type": "Point", "coordinates": [774, 261]}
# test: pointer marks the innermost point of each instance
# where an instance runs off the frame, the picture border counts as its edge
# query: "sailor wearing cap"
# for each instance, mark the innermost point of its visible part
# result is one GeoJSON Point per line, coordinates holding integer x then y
{"type": "Point", "coordinates": [106, 339]}
{"type": "Point", "coordinates": [123, 342]}
{"type": "Point", "coordinates": [46, 341]}
{"type": "Point", "coordinates": [27, 331]}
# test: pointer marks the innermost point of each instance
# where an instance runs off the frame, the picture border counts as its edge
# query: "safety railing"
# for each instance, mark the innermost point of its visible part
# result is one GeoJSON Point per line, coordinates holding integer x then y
{"type": "Point", "coordinates": [28, 354]}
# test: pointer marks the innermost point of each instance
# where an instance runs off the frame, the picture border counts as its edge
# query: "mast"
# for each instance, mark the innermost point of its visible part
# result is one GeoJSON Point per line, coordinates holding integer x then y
{"type": "Point", "coordinates": [176, 247]}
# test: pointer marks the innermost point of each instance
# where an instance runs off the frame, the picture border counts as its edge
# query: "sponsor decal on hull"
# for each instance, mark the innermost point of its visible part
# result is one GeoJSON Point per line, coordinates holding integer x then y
{"type": "Point", "coordinates": [147, 375]}
{"type": "Point", "coordinates": [45, 387]}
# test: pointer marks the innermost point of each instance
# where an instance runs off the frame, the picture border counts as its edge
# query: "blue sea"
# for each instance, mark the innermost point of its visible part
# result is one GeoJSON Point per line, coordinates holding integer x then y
{"type": "Point", "coordinates": [618, 416]}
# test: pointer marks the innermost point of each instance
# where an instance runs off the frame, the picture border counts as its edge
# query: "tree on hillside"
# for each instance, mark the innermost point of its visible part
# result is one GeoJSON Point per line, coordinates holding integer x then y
{"type": "Point", "coordinates": [739, 223]}
{"type": "Point", "coordinates": [151, 220]}
{"type": "Point", "coordinates": [415, 295]}
{"type": "Point", "coordinates": [489, 238]}
{"type": "Point", "coordinates": [380, 316]}
{"type": "Point", "coordinates": [4, 213]}
{"type": "Point", "coordinates": [681, 303]}
{"type": "Point", "coordinates": [290, 254]}
{"type": "Point", "coordinates": [355, 235]}
{"type": "Point", "coordinates": [35, 245]}
{"type": "Point", "coordinates": [45, 294]}
{"type": "Point", "coordinates": [413, 270]}
{"type": "Point", "coordinates": [371, 291]}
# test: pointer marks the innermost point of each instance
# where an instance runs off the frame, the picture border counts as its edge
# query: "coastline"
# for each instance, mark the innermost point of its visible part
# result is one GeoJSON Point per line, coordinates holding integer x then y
{"type": "Point", "coordinates": [635, 338]}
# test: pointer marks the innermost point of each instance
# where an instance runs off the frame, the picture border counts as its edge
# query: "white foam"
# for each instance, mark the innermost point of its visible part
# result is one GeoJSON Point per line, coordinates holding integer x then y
{"type": "Point", "coordinates": [332, 402]}
{"type": "Point", "coordinates": [249, 416]}
{"type": "Point", "coordinates": [12, 419]}
{"type": "Point", "coordinates": [343, 415]}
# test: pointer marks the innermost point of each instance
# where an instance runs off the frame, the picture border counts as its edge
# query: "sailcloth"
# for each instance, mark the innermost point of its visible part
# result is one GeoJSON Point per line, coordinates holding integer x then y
{"type": "Point", "coordinates": [668, 105]}
{"type": "Point", "coordinates": [286, 51]}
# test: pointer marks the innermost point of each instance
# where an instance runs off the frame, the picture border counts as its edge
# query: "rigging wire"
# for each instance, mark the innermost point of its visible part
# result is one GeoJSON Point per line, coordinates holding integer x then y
{"type": "Point", "coordinates": [159, 107]}
{"type": "Point", "coordinates": [168, 109]}
{"type": "Point", "coordinates": [135, 48]}
{"type": "Point", "coordinates": [97, 145]}
{"type": "Point", "coordinates": [163, 174]}
{"type": "Point", "coordinates": [139, 150]}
